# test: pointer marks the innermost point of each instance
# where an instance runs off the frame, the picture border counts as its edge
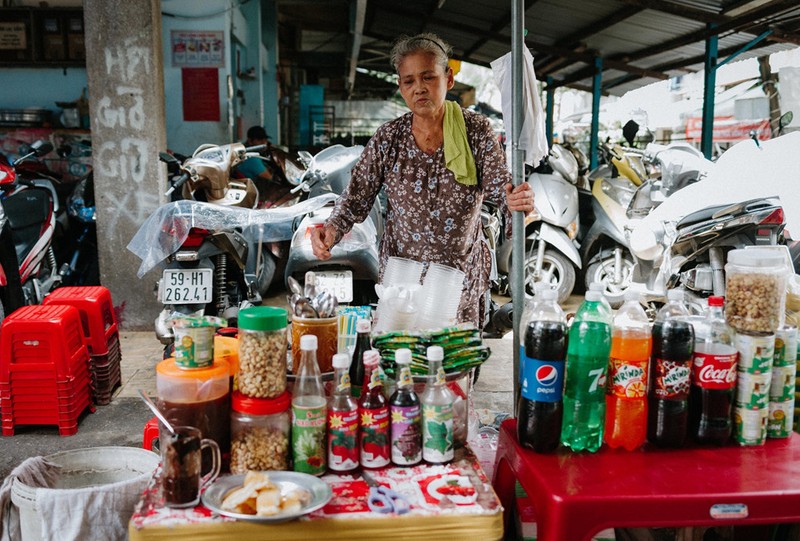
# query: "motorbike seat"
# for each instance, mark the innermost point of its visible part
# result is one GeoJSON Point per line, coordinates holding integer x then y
{"type": "Point", "coordinates": [700, 215]}
{"type": "Point", "coordinates": [27, 212]}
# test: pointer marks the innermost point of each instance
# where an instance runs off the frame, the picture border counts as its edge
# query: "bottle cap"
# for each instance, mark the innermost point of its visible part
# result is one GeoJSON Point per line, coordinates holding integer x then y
{"type": "Point", "coordinates": [593, 296]}
{"type": "Point", "coordinates": [435, 353]}
{"type": "Point", "coordinates": [716, 301]}
{"type": "Point", "coordinates": [371, 356]}
{"type": "Point", "coordinates": [675, 295]}
{"type": "Point", "coordinates": [548, 294]}
{"type": "Point", "coordinates": [341, 360]}
{"type": "Point", "coordinates": [262, 318]}
{"type": "Point", "coordinates": [597, 286]}
{"type": "Point", "coordinates": [402, 356]}
{"type": "Point", "coordinates": [308, 342]}
{"type": "Point", "coordinates": [363, 325]}
{"type": "Point", "coordinates": [631, 295]}
{"type": "Point", "coordinates": [260, 406]}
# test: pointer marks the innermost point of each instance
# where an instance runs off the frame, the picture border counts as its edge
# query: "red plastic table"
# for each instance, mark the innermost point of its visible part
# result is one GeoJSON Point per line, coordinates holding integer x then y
{"type": "Point", "coordinates": [577, 494]}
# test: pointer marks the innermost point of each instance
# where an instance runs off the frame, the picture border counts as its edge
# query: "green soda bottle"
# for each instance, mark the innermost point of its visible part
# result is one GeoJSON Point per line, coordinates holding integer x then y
{"type": "Point", "coordinates": [588, 352]}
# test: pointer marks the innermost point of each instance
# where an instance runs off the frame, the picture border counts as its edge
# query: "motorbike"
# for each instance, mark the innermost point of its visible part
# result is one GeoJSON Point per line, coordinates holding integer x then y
{"type": "Point", "coordinates": [551, 255]}
{"type": "Point", "coordinates": [747, 199]}
{"type": "Point", "coordinates": [353, 269]}
{"type": "Point", "coordinates": [29, 208]}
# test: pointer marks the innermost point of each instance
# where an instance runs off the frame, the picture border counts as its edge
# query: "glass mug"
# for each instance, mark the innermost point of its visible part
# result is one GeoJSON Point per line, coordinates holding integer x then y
{"type": "Point", "coordinates": [181, 465]}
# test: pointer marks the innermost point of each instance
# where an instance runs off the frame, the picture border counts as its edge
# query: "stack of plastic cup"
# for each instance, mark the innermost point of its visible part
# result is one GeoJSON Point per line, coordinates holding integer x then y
{"type": "Point", "coordinates": [397, 295]}
{"type": "Point", "coordinates": [400, 271]}
{"type": "Point", "coordinates": [440, 297]}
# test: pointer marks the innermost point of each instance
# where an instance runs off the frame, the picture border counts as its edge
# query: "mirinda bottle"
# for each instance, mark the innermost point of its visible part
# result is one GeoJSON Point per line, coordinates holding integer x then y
{"type": "Point", "coordinates": [626, 393]}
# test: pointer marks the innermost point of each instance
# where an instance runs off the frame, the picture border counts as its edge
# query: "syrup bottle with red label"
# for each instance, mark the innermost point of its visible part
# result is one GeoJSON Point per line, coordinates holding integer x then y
{"type": "Point", "coordinates": [342, 419]}
{"type": "Point", "coordinates": [713, 379]}
{"type": "Point", "coordinates": [373, 411]}
{"type": "Point", "coordinates": [406, 416]}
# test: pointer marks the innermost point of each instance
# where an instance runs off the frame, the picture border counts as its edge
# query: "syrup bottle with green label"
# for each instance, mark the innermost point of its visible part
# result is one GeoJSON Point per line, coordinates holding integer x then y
{"type": "Point", "coordinates": [373, 411]}
{"type": "Point", "coordinates": [342, 419]}
{"type": "Point", "coordinates": [437, 412]}
{"type": "Point", "coordinates": [405, 411]}
{"type": "Point", "coordinates": [309, 412]}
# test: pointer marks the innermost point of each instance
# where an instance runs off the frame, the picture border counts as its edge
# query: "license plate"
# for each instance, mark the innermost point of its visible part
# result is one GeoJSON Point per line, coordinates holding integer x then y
{"type": "Point", "coordinates": [186, 286]}
{"type": "Point", "coordinates": [340, 283]}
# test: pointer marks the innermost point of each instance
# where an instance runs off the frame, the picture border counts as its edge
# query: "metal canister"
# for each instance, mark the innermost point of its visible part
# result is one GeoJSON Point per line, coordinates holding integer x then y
{"type": "Point", "coordinates": [752, 390]}
{"type": "Point", "coordinates": [785, 346]}
{"type": "Point", "coordinates": [782, 386]}
{"type": "Point", "coordinates": [779, 423]}
{"type": "Point", "coordinates": [750, 426]}
{"type": "Point", "coordinates": [755, 352]}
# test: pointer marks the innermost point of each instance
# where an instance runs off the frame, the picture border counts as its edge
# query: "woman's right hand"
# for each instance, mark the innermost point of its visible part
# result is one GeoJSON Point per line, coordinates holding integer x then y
{"type": "Point", "coordinates": [322, 240]}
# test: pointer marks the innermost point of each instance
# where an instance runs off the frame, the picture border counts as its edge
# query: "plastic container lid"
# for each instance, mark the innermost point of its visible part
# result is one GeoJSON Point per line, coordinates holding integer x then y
{"type": "Point", "coordinates": [341, 360]}
{"type": "Point", "coordinates": [261, 406]}
{"type": "Point", "coordinates": [363, 325]}
{"type": "Point", "coordinates": [262, 318]}
{"type": "Point", "coordinates": [308, 342]}
{"type": "Point", "coordinates": [168, 368]}
{"type": "Point", "coordinates": [402, 356]}
{"type": "Point", "coordinates": [435, 353]}
{"type": "Point", "coordinates": [755, 257]}
{"type": "Point", "coordinates": [548, 294]}
{"type": "Point", "coordinates": [593, 296]}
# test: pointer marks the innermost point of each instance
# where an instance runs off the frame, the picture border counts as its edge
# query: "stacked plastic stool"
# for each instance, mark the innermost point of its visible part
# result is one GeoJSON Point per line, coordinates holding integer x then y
{"type": "Point", "coordinates": [101, 332]}
{"type": "Point", "coordinates": [44, 369]}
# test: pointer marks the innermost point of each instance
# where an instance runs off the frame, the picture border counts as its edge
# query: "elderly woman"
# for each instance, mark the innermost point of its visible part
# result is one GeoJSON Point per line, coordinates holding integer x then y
{"type": "Point", "coordinates": [437, 164]}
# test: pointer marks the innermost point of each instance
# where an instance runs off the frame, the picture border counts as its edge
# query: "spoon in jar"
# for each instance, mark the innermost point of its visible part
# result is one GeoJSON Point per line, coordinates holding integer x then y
{"type": "Point", "coordinates": [155, 411]}
{"type": "Point", "coordinates": [303, 308]}
{"type": "Point", "coordinates": [294, 285]}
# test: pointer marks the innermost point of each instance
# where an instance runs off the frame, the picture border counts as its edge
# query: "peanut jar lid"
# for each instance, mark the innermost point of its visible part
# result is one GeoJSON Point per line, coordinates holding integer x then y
{"type": "Point", "coordinates": [261, 406]}
{"type": "Point", "coordinates": [263, 318]}
{"type": "Point", "coordinates": [756, 257]}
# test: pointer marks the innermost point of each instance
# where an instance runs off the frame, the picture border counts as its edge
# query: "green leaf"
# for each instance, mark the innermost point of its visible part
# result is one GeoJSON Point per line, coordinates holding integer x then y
{"type": "Point", "coordinates": [439, 439]}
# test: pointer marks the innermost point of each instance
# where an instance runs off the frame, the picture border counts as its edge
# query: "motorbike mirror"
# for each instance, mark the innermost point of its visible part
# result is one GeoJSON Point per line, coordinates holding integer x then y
{"type": "Point", "coordinates": [305, 157]}
{"type": "Point", "coordinates": [40, 148]}
{"type": "Point", "coordinates": [785, 119]}
{"type": "Point", "coordinates": [167, 158]}
{"type": "Point", "coordinates": [629, 131]}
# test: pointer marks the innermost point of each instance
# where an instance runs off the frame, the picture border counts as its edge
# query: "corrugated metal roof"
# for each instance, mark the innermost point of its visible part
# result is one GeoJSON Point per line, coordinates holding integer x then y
{"type": "Point", "coordinates": [665, 37]}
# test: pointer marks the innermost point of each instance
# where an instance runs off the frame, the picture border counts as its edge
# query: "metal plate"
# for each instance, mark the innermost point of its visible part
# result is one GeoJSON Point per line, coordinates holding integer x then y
{"type": "Point", "coordinates": [186, 286]}
{"type": "Point", "coordinates": [321, 493]}
{"type": "Point", "coordinates": [340, 283]}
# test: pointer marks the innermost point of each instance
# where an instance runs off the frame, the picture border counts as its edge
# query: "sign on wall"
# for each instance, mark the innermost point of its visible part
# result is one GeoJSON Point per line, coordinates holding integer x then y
{"type": "Point", "coordinates": [197, 49]}
{"type": "Point", "coordinates": [200, 94]}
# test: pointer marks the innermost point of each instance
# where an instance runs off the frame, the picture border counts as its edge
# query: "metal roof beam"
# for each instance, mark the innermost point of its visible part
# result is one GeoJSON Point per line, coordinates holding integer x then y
{"type": "Point", "coordinates": [496, 27]}
{"type": "Point", "coordinates": [678, 9]}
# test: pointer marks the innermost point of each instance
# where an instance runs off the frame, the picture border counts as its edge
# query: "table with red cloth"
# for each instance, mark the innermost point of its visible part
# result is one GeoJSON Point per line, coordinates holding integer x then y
{"type": "Point", "coordinates": [472, 512]}
{"type": "Point", "coordinates": [578, 494]}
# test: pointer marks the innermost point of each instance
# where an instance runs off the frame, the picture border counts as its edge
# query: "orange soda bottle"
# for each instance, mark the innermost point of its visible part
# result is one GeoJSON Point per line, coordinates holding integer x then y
{"type": "Point", "coordinates": [626, 392]}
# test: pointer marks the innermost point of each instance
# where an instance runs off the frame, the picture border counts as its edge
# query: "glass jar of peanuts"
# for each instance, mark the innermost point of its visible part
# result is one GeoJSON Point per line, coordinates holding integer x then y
{"type": "Point", "coordinates": [260, 433]}
{"type": "Point", "coordinates": [263, 346]}
{"type": "Point", "coordinates": [755, 290]}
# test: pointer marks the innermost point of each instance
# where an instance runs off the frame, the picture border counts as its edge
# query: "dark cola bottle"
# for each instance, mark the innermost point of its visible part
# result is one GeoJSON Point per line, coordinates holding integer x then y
{"type": "Point", "coordinates": [670, 374]}
{"type": "Point", "coordinates": [544, 351]}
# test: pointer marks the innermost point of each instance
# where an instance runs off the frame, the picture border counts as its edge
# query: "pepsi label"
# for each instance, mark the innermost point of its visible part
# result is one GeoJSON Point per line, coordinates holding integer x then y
{"type": "Point", "coordinates": [542, 381]}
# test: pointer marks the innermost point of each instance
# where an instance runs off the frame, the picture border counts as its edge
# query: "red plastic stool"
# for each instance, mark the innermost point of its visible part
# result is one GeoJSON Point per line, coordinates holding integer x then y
{"type": "Point", "coordinates": [575, 495]}
{"type": "Point", "coordinates": [150, 434]}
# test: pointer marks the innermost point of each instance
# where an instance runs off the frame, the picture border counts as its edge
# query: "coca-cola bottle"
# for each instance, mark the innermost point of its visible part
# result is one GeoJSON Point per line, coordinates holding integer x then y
{"type": "Point", "coordinates": [714, 379]}
{"type": "Point", "coordinates": [670, 374]}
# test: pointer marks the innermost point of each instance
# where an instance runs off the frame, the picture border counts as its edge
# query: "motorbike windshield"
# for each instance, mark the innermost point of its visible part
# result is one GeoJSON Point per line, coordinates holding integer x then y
{"type": "Point", "coordinates": [163, 233]}
{"type": "Point", "coordinates": [743, 172]}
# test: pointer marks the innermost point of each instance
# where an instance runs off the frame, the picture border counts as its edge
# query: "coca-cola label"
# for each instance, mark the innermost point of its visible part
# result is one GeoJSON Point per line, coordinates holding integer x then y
{"type": "Point", "coordinates": [714, 371]}
{"type": "Point", "coordinates": [542, 381]}
{"type": "Point", "coordinates": [627, 379]}
{"type": "Point", "coordinates": [672, 379]}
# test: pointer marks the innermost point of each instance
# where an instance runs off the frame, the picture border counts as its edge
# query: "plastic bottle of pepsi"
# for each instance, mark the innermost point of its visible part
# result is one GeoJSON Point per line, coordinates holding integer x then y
{"type": "Point", "coordinates": [670, 374]}
{"type": "Point", "coordinates": [540, 407]}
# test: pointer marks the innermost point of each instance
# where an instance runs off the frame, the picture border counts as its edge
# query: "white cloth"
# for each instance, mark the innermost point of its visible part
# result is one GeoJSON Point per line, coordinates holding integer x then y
{"type": "Point", "coordinates": [533, 137]}
{"type": "Point", "coordinates": [34, 472]}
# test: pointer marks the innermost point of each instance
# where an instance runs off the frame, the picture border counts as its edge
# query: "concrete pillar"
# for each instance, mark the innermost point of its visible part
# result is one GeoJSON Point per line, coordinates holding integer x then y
{"type": "Point", "coordinates": [126, 100]}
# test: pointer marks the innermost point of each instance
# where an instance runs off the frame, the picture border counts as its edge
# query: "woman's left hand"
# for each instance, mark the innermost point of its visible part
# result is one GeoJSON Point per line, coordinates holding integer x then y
{"type": "Point", "coordinates": [519, 198]}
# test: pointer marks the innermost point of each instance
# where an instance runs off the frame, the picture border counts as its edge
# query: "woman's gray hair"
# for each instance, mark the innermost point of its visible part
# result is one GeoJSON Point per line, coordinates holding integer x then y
{"type": "Point", "coordinates": [427, 42]}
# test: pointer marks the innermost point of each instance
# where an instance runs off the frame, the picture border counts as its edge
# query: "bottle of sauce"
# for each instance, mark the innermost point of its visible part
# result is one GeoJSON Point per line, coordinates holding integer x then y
{"type": "Point", "coordinates": [309, 412]}
{"type": "Point", "coordinates": [363, 344]}
{"type": "Point", "coordinates": [373, 412]}
{"type": "Point", "coordinates": [404, 406]}
{"type": "Point", "coordinates": [342, 419]}
{"type": "Point", "coordinates": [437, 412]}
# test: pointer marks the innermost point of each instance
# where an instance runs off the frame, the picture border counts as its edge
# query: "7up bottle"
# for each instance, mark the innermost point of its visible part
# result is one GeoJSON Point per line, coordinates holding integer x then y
{"type": "Point", "coordinates": [437, 412]}
{"type": "Point", "coordinates": [309, 412]}
{"type": "Point", "coordinates": [588, 350]}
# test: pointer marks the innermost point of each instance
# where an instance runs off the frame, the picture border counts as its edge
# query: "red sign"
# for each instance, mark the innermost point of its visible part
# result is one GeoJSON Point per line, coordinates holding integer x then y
{"type": "Point", "coordinates": [200, 94]}
{"type": "Point", "coordinates": [728, 130]}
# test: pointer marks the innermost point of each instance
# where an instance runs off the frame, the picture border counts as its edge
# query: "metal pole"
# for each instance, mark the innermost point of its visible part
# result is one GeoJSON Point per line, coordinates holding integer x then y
{"type": "Point", "coordinates": [517, 168]}
{"type": "Point", "coordinates": [710, 82]}
{"type": "Point", "coordinates": [549, 107]}
{"type": "Point", "coordinates": [597, 91]}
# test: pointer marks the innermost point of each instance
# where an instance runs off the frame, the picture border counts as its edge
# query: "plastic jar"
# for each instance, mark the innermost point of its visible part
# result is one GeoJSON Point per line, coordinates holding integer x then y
{"type": "Point", "coordinates": [755, 290]}
{"type": "Point", "coordinates": [260, 433]}
{"type": "Point", "coordinates": [262, 351]}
